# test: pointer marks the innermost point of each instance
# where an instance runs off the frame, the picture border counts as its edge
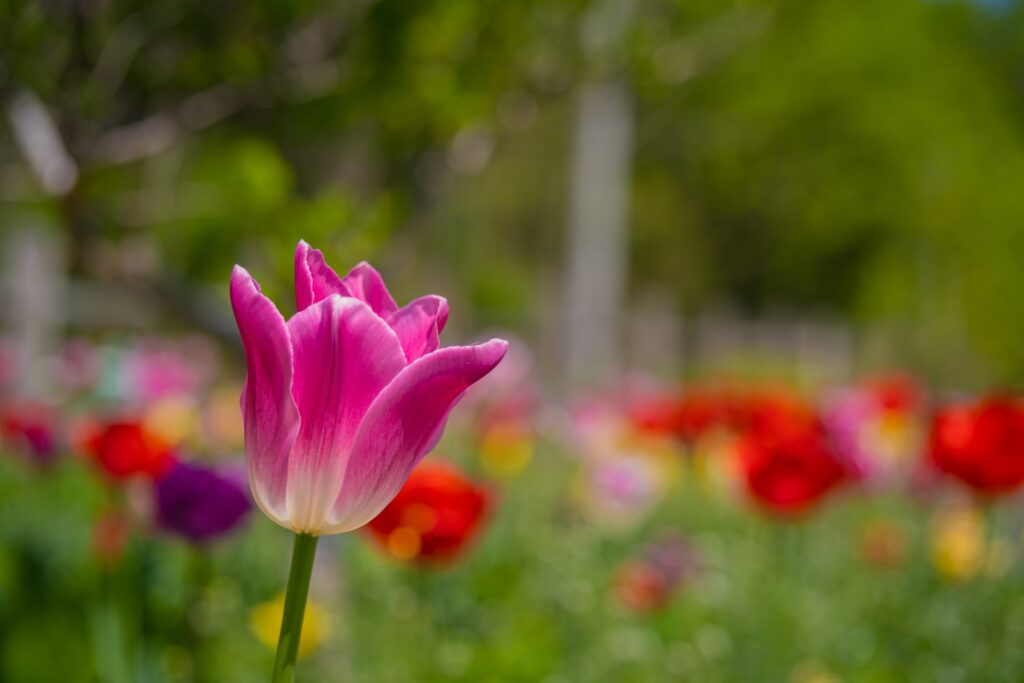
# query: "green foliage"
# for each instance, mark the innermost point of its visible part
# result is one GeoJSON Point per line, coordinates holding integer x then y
{"type": "Point", "coordinates": [532, 602]}
{"type": "Point", "coordinates": [854, 159]}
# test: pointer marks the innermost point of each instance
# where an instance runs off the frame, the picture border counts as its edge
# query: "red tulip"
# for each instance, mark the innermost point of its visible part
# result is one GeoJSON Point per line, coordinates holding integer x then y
{"type": "Point", "coordinates": [687, 416]}
{"type": "Point", "coordinates": [657, 413]}
{"type": "Point", "coordinates": [703, 409]}
{"type": "Point", "coordinates": [767, 408]}
{"type": "Point", "coordinates": [982, 444]}
{"type": "Point", "coordinates": [127, 449]}
{"type": "Point", "coordinates": [788, 466]}
{"type": "Point", "coordinates": [435, 516]}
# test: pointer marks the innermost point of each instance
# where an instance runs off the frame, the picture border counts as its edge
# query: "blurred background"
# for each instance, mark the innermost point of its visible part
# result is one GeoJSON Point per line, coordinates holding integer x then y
{"type": "Point", "coordinates": [698, 221]}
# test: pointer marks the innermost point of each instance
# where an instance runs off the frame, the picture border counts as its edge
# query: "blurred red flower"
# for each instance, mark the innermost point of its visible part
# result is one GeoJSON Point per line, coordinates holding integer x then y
{"type": "Point", "coordinates": [647, 583]}
{"type": "Point", "coordinates": [788, 465]}
{"type": "Point", "coordinates": [32, 428]}
{"type": "Point", "coordinates": [771, 408]}
{"type": "Point", "coordinates": [640, 587]}
{"type": "Point", "coordinates": [657, 413]}
{"type": "Point", "coordinates": [124, 449]}
{"type": "Point", "coordinates": [895, 392]}
{"type": "Point", "coordinates": [687, 415]}
{"type": "Point", "coordinates": [435, 516]}
{"type": "Point", "coordinates": [981, 444]}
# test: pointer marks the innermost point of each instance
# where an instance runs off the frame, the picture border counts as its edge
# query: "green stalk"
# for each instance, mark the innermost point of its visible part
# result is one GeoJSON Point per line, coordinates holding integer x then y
{"type": "Point", "coordinates": [294, 608]}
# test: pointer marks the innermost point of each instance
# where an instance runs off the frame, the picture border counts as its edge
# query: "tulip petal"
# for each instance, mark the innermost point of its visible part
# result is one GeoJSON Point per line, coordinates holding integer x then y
{"type": "Point", "coordinates": [268, 410]}
{"type": "Point", "coordinates": [314, 279]}
{"type": "Point", "coordinates": [344, 356]}
{"type": "Point", "coordinates": [405, 421]}
{"type": "Point", "coordinates": [366, 284]}
{"type": "Point", "coordinates": [418, 325]}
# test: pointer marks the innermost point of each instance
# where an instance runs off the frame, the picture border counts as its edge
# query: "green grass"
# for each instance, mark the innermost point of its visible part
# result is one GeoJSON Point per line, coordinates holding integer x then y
{"type": "Point", "coordinates": [531, 602]}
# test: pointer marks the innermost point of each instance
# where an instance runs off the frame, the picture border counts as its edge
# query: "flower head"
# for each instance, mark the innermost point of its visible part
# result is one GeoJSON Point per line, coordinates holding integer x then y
{"type": "Point", "coordinates": [125, 449]}
{"type": "Point", "coordinates": [435, 516]}
{"type": "Point", "coordinates": [982, 444]}
{"type": "Point", "coordinates": [342, 400]}
{"type": "Point", "coordinates": [159, 368]}
{"type": "Point", "coordinates": [265, 624]}
{"type": "Point", "coordinates": [199, 503]}
{"type": "Point", "coordinates": [788, 466]}
{"type": "Point", "coordinates": [875, 428]}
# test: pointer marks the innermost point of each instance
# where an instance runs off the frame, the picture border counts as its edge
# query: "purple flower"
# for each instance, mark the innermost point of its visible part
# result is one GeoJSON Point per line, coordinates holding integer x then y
{"type": "Point", "coordinates": [199, 503]}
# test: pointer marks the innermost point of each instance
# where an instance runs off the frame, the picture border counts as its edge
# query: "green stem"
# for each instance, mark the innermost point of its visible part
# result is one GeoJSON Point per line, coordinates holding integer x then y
{"type": "Point", "coordinates": [294, 608]}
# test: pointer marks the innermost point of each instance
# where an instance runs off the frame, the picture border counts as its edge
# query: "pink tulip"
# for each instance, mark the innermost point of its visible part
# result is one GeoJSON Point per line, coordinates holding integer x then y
{"type": "Point", "coordinates": [346, 397]}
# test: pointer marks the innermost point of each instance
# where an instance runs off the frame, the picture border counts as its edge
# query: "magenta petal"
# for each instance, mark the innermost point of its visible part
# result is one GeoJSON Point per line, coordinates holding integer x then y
{"type": "Point", "coordinates": [418, 325]}
{"type": "Point", "coordinates": [403, 424]}
{"type": "Point", "coordinates": [314, 279]}
{"type": "Point", "coordinates": [366, 284]}
{"type": "Point", "coordinates": [268, 410]}
{"type": "Point", "coordinates": [344, 356]}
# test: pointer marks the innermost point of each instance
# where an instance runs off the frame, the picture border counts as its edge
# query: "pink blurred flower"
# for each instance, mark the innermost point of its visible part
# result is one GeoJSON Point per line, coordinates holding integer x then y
{"type": "Point", "coordinates": [619, 491]}
{"type": "Point", "coordinates": [876, 428]}
{"type": "Point", "coordinates": [159, 368]}
{"type": "Point", "coordinates": [342, 400]}
{"type": "Point", "coordinates": [79, 365]}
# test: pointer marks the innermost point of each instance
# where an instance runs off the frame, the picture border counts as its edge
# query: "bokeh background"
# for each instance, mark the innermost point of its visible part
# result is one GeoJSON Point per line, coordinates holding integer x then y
{"type": "Point", "coordinates": [689, 217]}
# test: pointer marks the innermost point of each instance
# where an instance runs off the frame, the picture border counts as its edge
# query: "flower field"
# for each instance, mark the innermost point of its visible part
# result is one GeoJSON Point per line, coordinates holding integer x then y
{"type": "Point", "coordinates": [546, 341]}
{"type": "Point", "coordinates": [672, 536]}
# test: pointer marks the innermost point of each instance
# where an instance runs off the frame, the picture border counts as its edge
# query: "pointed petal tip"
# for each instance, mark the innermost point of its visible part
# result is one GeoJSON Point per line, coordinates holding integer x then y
{"type": "Point", "coordinates": [496, 347]}
{"type": "Point", "coordinates": [240, 277]}
{"type": "Point", "coordinates": [304, 249]}
{"type": "Point", "coordinates": [363, 267]}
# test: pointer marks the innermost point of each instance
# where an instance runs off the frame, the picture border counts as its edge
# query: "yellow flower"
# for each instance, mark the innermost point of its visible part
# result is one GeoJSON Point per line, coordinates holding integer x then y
{"type": "Point", "coordinates": [506, 447]}
{"type": "Point", "coordinates": [958, 542]}
{"type": "Point", "coordinates": [265, 623]}
{"type": "Point", "coordinates": [173, 418]}
{"type": "Point", "coordinates": [715, 463]}
{"type": "Point", "coordinates": [222, 419]}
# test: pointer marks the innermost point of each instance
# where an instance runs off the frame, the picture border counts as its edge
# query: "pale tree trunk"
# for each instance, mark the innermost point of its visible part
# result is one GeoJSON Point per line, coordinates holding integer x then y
{"type": "Point", "coordinates": [33, 286]}
{"type": "Point", "coordinates": [598, 244]}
